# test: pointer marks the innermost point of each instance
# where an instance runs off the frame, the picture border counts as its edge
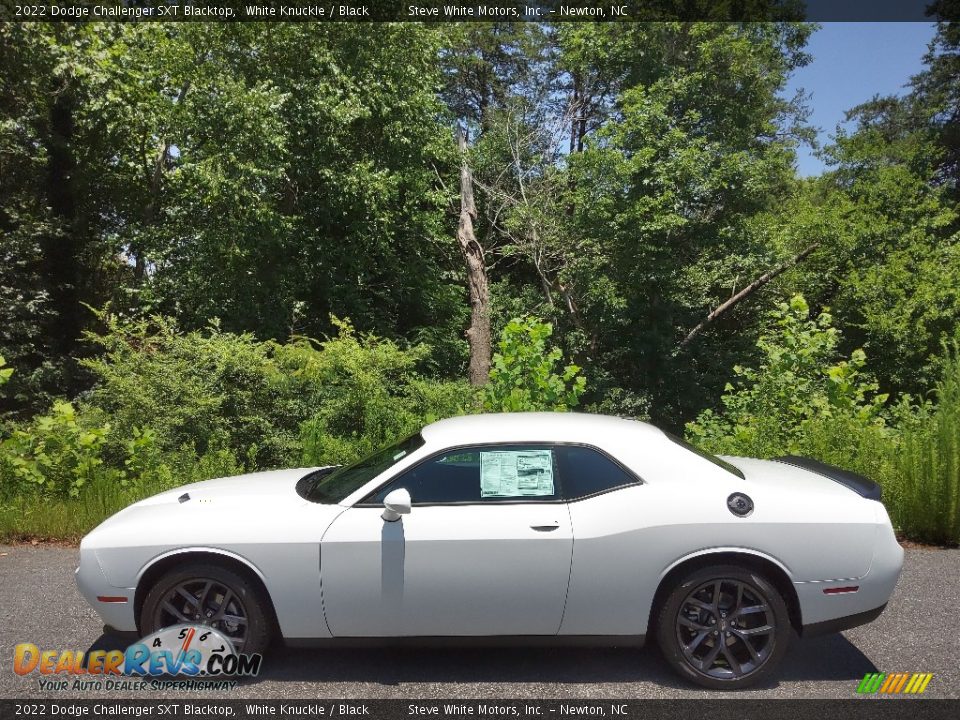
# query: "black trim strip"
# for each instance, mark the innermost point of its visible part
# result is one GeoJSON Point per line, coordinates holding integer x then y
{"type": "Point", "coordinates": [862, 486]}
{"type": "Point", "coordinates": [473, 641]}
{"type": "Point", "coordinates": [844, 623]}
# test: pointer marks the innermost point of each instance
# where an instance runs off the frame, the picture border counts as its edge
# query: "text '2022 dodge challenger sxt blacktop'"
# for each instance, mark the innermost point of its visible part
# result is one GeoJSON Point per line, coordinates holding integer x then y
{"type": "Point", "coordinates": [527, 527]}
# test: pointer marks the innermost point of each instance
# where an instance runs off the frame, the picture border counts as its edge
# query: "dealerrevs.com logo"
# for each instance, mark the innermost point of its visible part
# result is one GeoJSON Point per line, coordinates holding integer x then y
{"type": "Point", "coordinates": [894, 683]}
{"type": "Point", "coordinates": [191, 651]}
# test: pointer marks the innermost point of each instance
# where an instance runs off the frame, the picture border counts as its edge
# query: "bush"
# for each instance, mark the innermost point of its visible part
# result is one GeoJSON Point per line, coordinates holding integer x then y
{"type": "Point", "coordinates": [55, 454]}
{"type": "Point", "coordinates": [804, 400]}
{"type": "Point", "coordinates": [206, 391]}
{"type": "Point", "coordinates": [5, 372]}
{"type": "Point", "coordinates": [525, 373]}
{"type": "Point", "coordinates": [802, 385]}
{"type": "Point", "coordinates": [369, 394]}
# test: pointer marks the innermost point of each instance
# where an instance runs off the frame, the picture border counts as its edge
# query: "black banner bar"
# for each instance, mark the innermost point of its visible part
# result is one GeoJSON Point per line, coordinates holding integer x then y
{"type": "Point", "coordinates": [474, 10]}
{"type": "Point", "coordinates": [179, 708]}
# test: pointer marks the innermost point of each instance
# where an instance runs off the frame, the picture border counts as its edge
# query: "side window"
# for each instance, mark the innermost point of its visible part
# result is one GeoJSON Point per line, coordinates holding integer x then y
{"type": "Point", "coordinates": [587, 472]}
{"type": "Point", "coordinates": [501, 473]}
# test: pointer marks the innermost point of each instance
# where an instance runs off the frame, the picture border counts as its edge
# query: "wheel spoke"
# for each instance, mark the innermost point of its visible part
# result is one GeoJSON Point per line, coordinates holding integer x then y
{"type": "Point", "coordinates": [734, 664]}
{"type": "Point", "coordinates": [227, 597]}
{"type": "Point", "coordinates": [696, 641]}
{"type": "Point", "coordinates": [750, 632]}
{"type": "Point", "coordinates": [699, 604]}
{"type": "Point", "coordinates": [750, 609]}
{"type": "Point", "coordinates": [750, 648]}
{"type": "Point", "coordinates": [716, 593]}
{"type": "Point", "coordinates": [203, 596]}
{"type": "Point", "coordinates": [711, 657]}
{"type": "Point", "coordinates": [189, 597]}
{"type": "Point", "coordinates": [168, 606]}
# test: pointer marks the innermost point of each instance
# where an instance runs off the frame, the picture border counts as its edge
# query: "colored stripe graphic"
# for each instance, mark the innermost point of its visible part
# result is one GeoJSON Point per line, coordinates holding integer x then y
{"type": "Point", "coordinates": [871, 682]}
{"type": "Point", "coordinates": [894, 683]}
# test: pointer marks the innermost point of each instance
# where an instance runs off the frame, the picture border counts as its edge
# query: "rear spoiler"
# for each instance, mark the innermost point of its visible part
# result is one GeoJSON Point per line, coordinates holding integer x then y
{"type": "Point", "coordinates": [864, 487]}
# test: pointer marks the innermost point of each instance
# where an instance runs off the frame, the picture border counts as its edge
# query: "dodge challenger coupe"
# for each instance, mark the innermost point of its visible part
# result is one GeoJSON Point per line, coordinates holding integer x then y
{"type": "Point", "coordinates": [526, 528]}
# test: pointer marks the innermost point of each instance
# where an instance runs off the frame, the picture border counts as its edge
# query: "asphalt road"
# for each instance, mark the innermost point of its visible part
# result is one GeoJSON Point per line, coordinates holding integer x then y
{"type": "Point", "coordinates": [919, 632]}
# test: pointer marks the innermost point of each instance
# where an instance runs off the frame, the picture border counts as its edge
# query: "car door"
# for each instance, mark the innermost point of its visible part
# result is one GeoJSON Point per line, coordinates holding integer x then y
{"type": "Point", "coordinates": [485, 550]}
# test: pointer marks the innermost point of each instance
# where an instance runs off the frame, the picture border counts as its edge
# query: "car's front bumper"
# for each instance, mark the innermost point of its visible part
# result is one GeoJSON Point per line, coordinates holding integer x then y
{"type": "Point", "coordinates": [114, 605]}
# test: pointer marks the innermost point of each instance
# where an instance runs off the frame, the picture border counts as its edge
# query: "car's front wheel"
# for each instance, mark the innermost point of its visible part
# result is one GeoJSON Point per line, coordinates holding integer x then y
{"type": "Point", "coordinates": [723, 627]}
{"type": "Point", "coordinates": [210, 595]}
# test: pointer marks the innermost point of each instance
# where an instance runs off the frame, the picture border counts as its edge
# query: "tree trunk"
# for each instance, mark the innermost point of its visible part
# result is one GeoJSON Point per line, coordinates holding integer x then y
{"type": "Point", "coordinates": [478, 334]}
{"type": "Point", "coordinates": [62, 246]}
{"type": "Point", "coordinates": [154, 177]}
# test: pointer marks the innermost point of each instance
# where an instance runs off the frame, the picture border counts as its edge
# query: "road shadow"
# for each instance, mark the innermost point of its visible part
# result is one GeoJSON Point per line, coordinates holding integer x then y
{"type": "Point", "coordinates": [832, 657]}
{"type": "Point", "coordinates": [827, 658]}
{"type": "Point", "coordinates": [110, 641]}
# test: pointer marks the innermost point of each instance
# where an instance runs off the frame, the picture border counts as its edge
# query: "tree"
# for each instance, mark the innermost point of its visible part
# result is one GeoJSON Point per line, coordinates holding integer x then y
{"type": "Point", "coordinates": [695, 145]}
{"type": "Point", "coordinates": [896, 272]}
{"type": "Point", "coordinates": [55, 254]}
{"type": "Point", "coordinates": [478, 285]}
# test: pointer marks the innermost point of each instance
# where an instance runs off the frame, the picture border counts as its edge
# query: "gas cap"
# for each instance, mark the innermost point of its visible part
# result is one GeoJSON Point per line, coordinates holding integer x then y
{"type": "Point", "coordinates": [740, 504]}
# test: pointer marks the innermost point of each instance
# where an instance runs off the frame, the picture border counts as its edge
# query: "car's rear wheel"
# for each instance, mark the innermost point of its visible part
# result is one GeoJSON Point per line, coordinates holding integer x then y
{"type": "Point", "coordinates": [210, 595]}
{"type": "Point", "coordinates": [723, 627]}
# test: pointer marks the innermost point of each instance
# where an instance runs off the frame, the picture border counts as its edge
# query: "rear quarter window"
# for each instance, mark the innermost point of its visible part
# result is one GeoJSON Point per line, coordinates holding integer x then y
{"type": "Point", "coordinates": [585, 472]}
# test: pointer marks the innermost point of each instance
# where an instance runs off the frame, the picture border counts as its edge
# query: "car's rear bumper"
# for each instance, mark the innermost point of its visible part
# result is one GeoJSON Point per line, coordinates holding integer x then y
{"type": "Point", "coordinates": [834, 605]}
{"type": "Point", "coordinates": [836, 625]}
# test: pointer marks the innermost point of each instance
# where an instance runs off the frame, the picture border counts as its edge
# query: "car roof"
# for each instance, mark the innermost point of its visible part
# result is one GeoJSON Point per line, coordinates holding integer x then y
{"type": "Point", "coordinates": [601, 430]}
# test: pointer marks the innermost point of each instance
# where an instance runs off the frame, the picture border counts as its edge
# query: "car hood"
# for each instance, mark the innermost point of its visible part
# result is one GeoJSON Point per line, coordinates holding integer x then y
{"type": "Point", "coordinates": [268, 485]}
{"type": "Point", "coordinates": [259, 507]}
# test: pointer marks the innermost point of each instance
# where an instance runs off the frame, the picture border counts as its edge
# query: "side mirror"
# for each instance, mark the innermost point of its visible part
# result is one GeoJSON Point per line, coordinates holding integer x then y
{"type": "Point", "coordinates": [396, 503]}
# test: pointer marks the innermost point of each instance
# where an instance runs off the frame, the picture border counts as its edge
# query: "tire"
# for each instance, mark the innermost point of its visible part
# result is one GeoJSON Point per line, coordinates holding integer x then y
{"type": "Point", "coordinates": [213, 583]}
{"type": "Point", "coordinates": [708, 639]}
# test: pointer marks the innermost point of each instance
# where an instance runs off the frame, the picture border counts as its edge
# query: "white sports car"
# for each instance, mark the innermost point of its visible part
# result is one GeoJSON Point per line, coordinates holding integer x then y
{"type": "Point", "coordinates": [528, 527]}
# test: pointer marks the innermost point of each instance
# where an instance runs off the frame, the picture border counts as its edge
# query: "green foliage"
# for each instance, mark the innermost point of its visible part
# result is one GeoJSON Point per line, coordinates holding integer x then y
{"type": "Point", "coordinates": [202, 390]}
{"type": "Point", "coordinates": [525, 376]}
{"type": "Point", "coordinates": [691, 149]}
{"type": "Point", "coordinates": [55, 453]}
{"type": "Point", "coordinates": [369, 394]}
{"type": "Point", "coordinates": [171, 408]}
{"type": "Point", "coordinates": [801, 382]}
{"type": "Point", "coordinates": [929, 468]}
{"type": "Point", "coordinates": [5, 372]}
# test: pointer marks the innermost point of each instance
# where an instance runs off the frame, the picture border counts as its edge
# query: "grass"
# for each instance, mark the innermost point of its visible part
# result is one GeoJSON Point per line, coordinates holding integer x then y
{"type": "Point", "coordinates": [929, 469]}
{"type": "Point", "coordinates": [35, 517]}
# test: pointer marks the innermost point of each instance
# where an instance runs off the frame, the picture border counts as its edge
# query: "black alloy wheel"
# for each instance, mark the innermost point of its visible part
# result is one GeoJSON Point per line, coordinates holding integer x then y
{"type": "Point", "coordinates": [724, 627]}
{"type": "Point", "coordinates": [212, 596]}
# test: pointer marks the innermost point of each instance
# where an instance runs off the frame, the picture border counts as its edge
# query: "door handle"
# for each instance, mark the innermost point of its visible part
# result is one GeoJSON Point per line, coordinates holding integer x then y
{"type": "Point", "coordinates": [548, 527]}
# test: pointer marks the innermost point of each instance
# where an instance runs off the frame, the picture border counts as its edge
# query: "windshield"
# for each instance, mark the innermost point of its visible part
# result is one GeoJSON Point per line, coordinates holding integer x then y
{"type": "Point", "coordinates": [729, 467]}
{"type": "Point", "coordinates": [326, 486]}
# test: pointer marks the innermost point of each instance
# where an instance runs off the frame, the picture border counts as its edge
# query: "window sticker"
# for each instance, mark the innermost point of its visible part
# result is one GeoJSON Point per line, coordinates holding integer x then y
{"type": "Point", "coordinates": [516, 473]}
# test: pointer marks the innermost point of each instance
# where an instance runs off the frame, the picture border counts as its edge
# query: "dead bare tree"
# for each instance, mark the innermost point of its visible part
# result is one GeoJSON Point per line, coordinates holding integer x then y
{"type": "Point", "coordinates": [478, 334]}
{"type": "Point", "coordinates": [522, 203]}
